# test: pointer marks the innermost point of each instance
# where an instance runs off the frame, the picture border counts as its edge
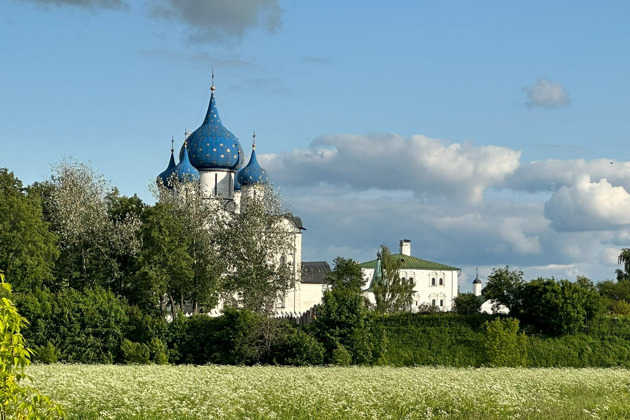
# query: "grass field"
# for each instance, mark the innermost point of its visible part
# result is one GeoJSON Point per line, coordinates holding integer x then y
{"type": "Point", "coordinates": [206, 392]}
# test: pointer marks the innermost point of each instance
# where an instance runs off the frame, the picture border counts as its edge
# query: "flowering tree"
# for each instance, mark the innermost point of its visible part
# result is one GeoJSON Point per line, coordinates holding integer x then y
{"type": "Point", "coordinates": [258, 244]}
{"type": "Point", "coordinates": [90, 240]}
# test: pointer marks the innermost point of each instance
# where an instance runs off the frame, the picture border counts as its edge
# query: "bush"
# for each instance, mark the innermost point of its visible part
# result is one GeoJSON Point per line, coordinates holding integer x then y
{"type": "Point", "coordinates": [135, 353]}
{"type": "Point", "coordinates": [619, 307]}
{"type": "Point", "coordinates": [46, 354]}
{"type": "Point", "coordinates": [158, 351]}
{"type": "Point", "coordinates": [340, 356]}
{"type": "Point", "coordinates": [300, 349]}
{"type": "Point", "coordinates": [503, 344]}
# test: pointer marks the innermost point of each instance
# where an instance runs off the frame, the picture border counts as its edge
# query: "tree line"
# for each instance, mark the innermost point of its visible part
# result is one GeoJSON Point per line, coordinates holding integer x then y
{"type": "Point", "coordinates": [96, 273]}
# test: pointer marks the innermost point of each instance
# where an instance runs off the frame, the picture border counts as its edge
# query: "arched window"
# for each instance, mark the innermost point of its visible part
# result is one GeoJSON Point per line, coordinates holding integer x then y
{"type": "Point", "coordinates": [433, 282]}
{"type": "Point", "coordinates": [411, 281]}
{"type": "Point", "coordinates": [441, 302]}
{"type": "Point", "coordinates": [403, 280]}
{"type": "Point", "coordinates": [433, 302]}
{"type": "Point", "coordinates": [441, 281]}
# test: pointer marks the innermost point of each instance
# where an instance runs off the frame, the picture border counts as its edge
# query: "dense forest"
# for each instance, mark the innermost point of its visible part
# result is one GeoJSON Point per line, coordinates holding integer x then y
{"type": "Point", "coordinates": [104, 278]}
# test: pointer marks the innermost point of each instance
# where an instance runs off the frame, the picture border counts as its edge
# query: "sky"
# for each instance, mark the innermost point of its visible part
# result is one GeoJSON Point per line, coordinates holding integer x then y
{"type": "Point", "coordinates": [488, 133]}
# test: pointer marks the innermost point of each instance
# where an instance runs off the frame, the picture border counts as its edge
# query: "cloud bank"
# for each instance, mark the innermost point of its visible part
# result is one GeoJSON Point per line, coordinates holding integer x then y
{"type": "Point", "coordinates": [423, 165]}
{"type": "Point", "coordinates": [461, 204]}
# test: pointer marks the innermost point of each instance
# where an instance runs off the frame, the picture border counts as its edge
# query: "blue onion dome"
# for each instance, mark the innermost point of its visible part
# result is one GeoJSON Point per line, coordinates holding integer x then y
{"type": "Point", "coordinates": [164, 178]}
{"type": "Point", "coordinates": [253, 173]}
{"type": "Point", "coordinates": [185, 171]}
{"type": "Point", "coordinates": [212, 146]}
{"type": "Point", "coordinates": [237, 185]}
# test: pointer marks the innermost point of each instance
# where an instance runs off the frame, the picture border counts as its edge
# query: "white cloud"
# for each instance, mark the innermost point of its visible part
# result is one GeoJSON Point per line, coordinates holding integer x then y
{"type": "Point", "coordinates": [426, 166]}
{"type": "Point", "coordinates": [218, 20]}
{"type": "Point", "coordinates": [356, 192]}
{"type": "Point", "coordinates": [546, 94]}
{"type": "Point", "coordinates": [549, 175]}
{"type": "Point", "coordinates": [585, 205]}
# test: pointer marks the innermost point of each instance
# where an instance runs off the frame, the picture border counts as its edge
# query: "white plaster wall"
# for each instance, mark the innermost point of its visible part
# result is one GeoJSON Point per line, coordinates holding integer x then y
{"type": "Point", "coordinates": [424, 291]}
{"type": "Point", "coordinates": [224, 180]}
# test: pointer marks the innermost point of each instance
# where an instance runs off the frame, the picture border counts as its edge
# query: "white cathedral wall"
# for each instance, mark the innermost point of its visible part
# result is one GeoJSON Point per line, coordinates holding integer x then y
{"type": "Point", "coordinates": [216, 183]}
{"type": "Point", "coordinates": [424, 290]}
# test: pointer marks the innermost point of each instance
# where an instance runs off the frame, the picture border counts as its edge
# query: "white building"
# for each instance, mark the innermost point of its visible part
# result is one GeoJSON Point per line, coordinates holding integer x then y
{"type": "Point", "coordinates": [434, 283]}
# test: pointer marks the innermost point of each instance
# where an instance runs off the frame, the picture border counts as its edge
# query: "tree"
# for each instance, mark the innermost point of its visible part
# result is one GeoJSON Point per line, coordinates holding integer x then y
{"type": "Point", "coordinates": [258, 243]}
{"type": "Point", "coordinates": [91, 242]}
{"type": "Point", "coordinates": [343, 318]}
{"type": "Point", "coordinates": [503, 286]}
{"type": "Point", "coordinates": [27, 248]}
{"type": "Point", "coordinates": [390, 292]}
{"type": "Point", "coordinates": [467, 304]}
{"type": "Point", "coordinates": [503, 344]}
{"type": "Point", "coordinates": [624, 258]}
{"type": "Point", "coordinates": [198, 235]}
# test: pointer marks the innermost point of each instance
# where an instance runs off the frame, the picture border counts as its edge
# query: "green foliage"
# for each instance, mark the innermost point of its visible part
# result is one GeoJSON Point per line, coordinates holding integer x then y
{"type": "Point", "coordinates": [299, 349]}
{"type": "Point", "coordinates": [341, 356]}
{"type": "Point", "coordinates": [503, 344]}
{"type": "Point", "coordinates": [343, 318]}
{"type": "Point", "coordinates": [390, 292]}
{"type": "Point", "coordinates": [614, 290]}
{"type": "Point", "coordinates": [444, 339]}
{"type": "Point", "coordinates": [503, 286]}
{"type": "Point", "coordinates": [467, 304]}
{"type": "Point", "coordinates": [86, 327]}
{"type": "Point", "coordinates": [17, 401]}
{"type": "Point", "coordinates": [93, 242]}
{"type": "Point", "coordinates": [158, 351]}
{"type": "Point", "coordinates": [27, 248]}
{"type": "Point", "coordinates": [619, 307]}
{"type": "Point", "coordinates": [46, 354]}
{"type": "Point", "coordinates": [135, 353]}
{"type": "Point", "coordinates": [550, 306]}
{"type": "Point", "coordinates": [258, 244]}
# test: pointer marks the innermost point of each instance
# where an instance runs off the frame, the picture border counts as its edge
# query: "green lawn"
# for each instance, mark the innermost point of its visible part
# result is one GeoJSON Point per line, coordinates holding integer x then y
{"type": "Point", "coordinates": [206, 392]}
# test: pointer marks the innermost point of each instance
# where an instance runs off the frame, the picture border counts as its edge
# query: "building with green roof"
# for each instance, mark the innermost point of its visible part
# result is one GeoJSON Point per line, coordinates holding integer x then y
{"type": "Point", "coordinates": [434, 283]}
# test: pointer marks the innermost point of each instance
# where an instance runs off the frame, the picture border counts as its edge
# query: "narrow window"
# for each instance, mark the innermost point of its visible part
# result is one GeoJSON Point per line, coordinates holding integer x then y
{"type": "Point", "coordinates": [441, 282]}
{"type": "Point", "coordinates": [441, 302]}
{"type": "Point", "coordinates": [216, 184]}
{"type": "Point", "coordinates": [433, 302]}
{"type": "Point", "coordinates": [433, 281]}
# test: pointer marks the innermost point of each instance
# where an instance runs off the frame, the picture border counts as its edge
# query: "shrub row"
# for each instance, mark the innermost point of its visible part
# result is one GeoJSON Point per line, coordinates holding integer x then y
{"type": "Point", "coordinates": [95, 326]}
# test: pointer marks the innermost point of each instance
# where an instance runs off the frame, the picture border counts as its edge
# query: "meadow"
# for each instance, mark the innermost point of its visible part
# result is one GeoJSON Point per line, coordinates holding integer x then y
{"type": "Point", "coordinates": [232, 392]}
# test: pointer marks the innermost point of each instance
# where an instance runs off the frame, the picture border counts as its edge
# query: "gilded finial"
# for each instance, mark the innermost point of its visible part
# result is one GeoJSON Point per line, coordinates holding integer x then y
{"type": "Point", "coordinates": [172, 142]}
{"type": "Point", "coordinates": [186, 134]}
{"type": "Point", "coordinates": [212, 87]}
{"type": "Point", "coordinates": [254, 141]}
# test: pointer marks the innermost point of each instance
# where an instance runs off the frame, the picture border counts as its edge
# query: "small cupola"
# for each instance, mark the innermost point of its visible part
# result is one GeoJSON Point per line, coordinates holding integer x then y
{"type": "Point", "coordinates": [184, 170]}
{"type": "Point", "coordinates": [253, 173]}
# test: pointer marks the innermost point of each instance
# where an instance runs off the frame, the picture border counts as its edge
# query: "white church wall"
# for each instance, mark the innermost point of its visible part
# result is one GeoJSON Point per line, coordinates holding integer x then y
{"type": "Point", "coordinates": [216, 183]}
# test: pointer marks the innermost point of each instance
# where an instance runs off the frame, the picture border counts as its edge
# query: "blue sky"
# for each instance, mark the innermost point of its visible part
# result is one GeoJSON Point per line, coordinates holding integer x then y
{"type": "Point", "coordinates": [488, 133]}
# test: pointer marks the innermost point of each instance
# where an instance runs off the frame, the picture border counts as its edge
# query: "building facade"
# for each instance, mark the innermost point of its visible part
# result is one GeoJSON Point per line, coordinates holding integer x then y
{"type": "Point", "coordinates": [434, 284]}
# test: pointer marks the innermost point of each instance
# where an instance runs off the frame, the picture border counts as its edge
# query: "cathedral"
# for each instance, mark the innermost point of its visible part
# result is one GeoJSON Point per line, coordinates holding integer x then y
{"type": "Point", "coordinates": [212, 158]}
